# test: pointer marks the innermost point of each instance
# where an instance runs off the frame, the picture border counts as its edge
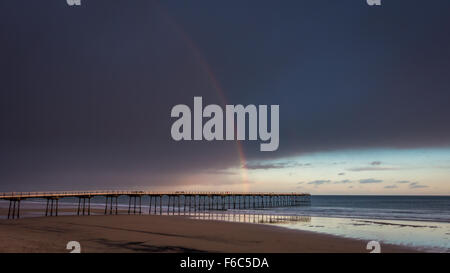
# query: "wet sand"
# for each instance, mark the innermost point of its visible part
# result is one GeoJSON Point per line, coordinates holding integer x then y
{"type": "Point", "coordinates": [154, 233]}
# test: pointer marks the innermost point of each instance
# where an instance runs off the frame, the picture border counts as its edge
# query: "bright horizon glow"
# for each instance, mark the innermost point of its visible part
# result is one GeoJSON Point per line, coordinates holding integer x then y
{"type": "Point", "coordinates": [424, 171]}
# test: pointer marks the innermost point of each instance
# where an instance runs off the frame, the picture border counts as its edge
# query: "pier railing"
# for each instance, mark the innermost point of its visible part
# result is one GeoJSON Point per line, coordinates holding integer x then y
{"type": "Point", "coordinates": [24, 195]}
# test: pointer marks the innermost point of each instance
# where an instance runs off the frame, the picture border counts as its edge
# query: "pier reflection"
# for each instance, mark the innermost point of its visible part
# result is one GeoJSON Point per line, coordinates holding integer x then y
{"type": "Point", "coordinates": [251, 217]}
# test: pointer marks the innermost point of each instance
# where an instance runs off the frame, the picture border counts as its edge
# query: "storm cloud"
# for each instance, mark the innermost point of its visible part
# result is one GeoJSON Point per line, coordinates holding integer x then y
{"type": "Point", "coordinates": [86, 92]}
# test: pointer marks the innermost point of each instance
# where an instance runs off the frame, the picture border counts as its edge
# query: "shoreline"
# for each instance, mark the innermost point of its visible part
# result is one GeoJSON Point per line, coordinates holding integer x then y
{"type": "Point", "coordinates": [155, 233]}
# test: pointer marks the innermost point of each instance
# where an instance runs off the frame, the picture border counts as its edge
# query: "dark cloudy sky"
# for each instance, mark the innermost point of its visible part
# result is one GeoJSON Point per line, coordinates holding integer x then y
{"type": "Point", "coordinates": [86, 94]}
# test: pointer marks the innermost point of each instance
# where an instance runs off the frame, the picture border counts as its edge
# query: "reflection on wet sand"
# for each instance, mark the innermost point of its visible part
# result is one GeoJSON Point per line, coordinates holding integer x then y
{"type": "Point", "coordinates": [251, 217]}
{"type": "Point", "coordinates": [427, 236]}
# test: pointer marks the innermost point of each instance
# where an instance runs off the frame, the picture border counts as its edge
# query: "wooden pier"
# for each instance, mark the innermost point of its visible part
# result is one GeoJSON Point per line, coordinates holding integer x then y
{"type": "Point", "coordinates": [176, 202]}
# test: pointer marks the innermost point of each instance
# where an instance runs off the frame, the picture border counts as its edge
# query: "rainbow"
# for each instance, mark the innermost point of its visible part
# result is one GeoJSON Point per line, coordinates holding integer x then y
{"type": "Point", "coordinates": [206, 67]}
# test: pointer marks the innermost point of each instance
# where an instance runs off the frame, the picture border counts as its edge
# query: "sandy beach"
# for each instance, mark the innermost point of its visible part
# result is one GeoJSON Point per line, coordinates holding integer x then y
{"type": "Point", "coordinates": [166, 234]}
